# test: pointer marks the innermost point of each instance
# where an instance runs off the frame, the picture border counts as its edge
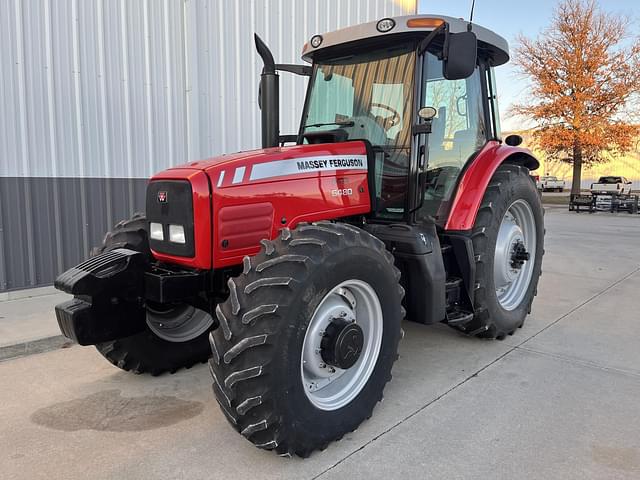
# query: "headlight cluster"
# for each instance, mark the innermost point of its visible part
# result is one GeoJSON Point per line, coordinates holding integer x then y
{"type": "Point", "coordinates": [176, 233]}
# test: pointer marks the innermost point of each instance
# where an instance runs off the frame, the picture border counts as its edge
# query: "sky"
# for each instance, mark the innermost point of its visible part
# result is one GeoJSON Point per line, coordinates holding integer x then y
{"type": "Point", "coordinates": [509, 19]}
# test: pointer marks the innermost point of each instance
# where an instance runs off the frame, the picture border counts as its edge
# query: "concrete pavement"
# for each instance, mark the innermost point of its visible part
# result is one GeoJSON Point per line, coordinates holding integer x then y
{"type": "Point", "coordinates": [559, 399]}
{"type": "Point", "coordinates": [28, 319]}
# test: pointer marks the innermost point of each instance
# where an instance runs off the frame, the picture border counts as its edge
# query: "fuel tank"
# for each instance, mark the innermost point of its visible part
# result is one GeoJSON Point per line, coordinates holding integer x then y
{"type": "Point", "coordinates": [239, 199]}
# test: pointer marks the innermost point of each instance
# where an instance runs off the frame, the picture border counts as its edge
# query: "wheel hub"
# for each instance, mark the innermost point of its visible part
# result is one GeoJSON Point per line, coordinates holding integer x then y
{"type": "Point", "coordinates": [509, 236]}
{"type": "Point", "coordinates": [515, 247]}
{"type": "Point", "coordinates": [519, 255]}
{"type": "Point", "coordinates": [342, 344]}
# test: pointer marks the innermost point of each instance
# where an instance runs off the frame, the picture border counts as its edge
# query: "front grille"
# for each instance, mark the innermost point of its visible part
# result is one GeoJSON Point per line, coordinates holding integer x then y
{"type": "Point", "coordinates": [170, 202]}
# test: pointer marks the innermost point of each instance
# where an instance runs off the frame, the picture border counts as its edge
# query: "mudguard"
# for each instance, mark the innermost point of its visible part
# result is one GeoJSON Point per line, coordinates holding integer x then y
{"type": "Point", "coordinates": [476, 178]}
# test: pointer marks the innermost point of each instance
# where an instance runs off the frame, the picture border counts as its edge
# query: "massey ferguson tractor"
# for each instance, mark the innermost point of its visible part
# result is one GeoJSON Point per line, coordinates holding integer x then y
{"type": "Point", "coordinates": [290, 268]}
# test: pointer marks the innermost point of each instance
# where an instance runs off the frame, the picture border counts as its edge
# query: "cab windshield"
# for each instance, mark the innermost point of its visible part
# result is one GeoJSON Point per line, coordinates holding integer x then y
{"type": "Point", "coordinates": [369, 96]}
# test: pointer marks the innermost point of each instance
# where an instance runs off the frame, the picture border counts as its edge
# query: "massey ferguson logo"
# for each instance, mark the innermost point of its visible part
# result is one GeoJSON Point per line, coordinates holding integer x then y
{"type": "Point", "coordinates": [162, 197]}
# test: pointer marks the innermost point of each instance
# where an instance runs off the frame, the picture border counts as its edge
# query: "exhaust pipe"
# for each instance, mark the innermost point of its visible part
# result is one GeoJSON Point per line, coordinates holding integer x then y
{"type": "Point", "coordinates": [268, 96]}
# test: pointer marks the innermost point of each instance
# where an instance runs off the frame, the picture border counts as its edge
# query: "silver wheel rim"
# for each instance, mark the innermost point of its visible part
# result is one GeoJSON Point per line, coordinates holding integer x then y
{"type": "Point", "coordinates": [178, 324]}
{"type": "Point", "coordinates": [518, 226]}
{"type": "Point", "coordinates": [331, 388]}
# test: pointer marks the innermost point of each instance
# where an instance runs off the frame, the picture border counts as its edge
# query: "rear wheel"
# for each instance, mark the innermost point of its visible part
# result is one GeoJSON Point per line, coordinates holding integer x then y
{"type": "Point", "coordinates": [508, 243]}
{"type": "Point", "coordinates": [176, 335]}
{"type": "Point", "coordinates": [307, 337]}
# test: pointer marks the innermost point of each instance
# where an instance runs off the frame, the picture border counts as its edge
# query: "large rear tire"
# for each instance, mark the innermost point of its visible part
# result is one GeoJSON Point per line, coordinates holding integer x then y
{"type": "Point", "coordinates": [508, 243]}
{"type": "Point", "coordinates": [175, 337]}
{"type": "Point", "coordinates": [278, 351]}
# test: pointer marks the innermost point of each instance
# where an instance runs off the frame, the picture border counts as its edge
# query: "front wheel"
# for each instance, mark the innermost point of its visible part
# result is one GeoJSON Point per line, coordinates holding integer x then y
{"type": "Point", "coordinates": [176, 336]}
{"type": "Point", "coordinates": [307, 337]}
{"type": "Point", "coordinates": [508, 243]}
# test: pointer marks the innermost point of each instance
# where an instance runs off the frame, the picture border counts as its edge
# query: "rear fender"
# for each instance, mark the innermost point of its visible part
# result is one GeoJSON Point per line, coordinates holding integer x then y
{"type": "Point", "coordinates": [476, 178]}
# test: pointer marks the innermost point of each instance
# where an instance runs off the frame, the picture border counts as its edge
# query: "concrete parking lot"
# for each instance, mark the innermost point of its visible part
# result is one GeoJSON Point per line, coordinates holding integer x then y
{"type": "Point", "coordinates": [559, 399]}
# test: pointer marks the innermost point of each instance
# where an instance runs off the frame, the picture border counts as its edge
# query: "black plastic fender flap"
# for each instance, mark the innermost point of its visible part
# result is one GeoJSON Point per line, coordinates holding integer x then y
{"type": "Point", "coordinates": [108, 298]}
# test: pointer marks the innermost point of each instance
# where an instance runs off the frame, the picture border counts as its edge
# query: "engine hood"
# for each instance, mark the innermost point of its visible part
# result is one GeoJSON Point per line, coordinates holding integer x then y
{"type": "Point", "coordinates": [281, 163]}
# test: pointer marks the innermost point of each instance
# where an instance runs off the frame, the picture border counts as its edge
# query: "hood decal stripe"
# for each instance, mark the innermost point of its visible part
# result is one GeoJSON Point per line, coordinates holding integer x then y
{"type": "Point", "coordinates": [238, 175]}
{"type": "Point", "coordinates": [295, 166]}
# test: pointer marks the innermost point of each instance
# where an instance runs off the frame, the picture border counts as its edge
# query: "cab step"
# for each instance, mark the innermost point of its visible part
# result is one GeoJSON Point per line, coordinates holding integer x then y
{"type": "Point", "coordinates": [453, 287]}
{"type": "Point", "coordinates": [453, 283]}
{"type": "Point", "coordinates": [457, 317]}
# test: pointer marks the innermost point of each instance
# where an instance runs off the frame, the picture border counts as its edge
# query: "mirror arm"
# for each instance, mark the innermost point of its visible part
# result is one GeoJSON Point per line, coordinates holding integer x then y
{"type": "Point", "coordinates": [422, 46]}
{"type": "Point", "coordinates": [445, 47]}
{"type": "Point", "coordinates": [302, 70]}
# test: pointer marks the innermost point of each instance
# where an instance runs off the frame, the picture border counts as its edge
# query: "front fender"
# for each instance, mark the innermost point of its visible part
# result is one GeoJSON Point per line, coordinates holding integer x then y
{"type": "Point", "coordinates": [476, 178]}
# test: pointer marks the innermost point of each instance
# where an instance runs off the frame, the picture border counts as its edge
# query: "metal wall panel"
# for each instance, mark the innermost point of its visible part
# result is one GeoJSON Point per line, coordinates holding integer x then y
{"type": "Point", "coordinates": [97, 95]}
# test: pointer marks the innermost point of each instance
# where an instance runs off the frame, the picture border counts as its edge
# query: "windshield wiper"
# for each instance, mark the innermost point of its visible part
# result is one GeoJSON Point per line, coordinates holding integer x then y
{"type": "Point", "coordinates": [349, 123]}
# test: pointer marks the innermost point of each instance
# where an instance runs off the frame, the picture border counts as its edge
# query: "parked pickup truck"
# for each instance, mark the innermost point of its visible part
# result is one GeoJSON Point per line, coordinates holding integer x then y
{"type": "Point", "coordinates": [550, 183]}
{"type": "Point", "coordinates": [611, 185]}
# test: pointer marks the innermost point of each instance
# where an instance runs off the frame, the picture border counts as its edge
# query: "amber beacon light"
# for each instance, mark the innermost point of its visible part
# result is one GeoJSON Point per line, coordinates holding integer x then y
{"type": "Point", "coordinates": [424, 22]}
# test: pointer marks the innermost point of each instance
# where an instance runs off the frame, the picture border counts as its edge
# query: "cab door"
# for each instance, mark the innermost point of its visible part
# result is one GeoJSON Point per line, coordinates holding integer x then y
{"type": "Point", "coordinates": [458, 132]}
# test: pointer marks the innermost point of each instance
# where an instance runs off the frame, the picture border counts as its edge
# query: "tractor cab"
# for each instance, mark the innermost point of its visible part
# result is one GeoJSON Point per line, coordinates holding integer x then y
{"type": "Point", "coordinates": [420, 90]}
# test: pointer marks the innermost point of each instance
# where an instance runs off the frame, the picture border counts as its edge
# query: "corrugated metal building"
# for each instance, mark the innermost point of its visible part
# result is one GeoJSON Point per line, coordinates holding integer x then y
{"type": "Point", "coordinates": [97, 95]}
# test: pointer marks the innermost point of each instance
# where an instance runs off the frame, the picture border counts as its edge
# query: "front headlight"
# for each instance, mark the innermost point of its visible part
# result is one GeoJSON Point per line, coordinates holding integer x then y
{"type": "Point", "coordinates": [155, 231]}
{"type": "Point", "coordinates": [176, 234]}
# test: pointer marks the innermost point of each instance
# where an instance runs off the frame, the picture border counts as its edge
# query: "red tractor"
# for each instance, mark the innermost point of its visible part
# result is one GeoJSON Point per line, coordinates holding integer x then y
{"type": "Point", "coordinates": [291, 267]}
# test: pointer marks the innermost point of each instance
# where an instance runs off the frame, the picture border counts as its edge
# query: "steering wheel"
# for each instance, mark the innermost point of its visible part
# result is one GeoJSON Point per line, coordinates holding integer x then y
{"type": "Point", "coordinates": [392, 120]}
{"type": "Point", "coordinates": [367, 127]}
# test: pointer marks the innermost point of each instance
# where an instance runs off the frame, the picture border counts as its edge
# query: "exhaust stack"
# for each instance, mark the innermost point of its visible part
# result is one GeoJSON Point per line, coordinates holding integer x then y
{"type": "Point", "coordinates": [268, 96]}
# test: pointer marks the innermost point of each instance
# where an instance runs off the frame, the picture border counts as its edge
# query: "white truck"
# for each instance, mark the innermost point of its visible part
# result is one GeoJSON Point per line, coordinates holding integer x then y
{"type": "Point", "coordinates": [611, 185]}
{"type": "Point", "coordinates": [549, 183]}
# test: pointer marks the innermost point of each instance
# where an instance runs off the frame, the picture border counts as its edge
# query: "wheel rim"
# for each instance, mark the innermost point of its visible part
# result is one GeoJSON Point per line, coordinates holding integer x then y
{"type": "Point", "coordinates": [329, 387]}
{"type": "Point", "coordinates": [178, 323]}
{"type": "Point", "coordinates": [514, 254]}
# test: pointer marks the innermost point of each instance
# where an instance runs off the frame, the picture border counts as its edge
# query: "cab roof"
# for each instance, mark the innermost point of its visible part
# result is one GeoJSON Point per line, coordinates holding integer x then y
{"type": "Point", "coordinates": [490, 44]}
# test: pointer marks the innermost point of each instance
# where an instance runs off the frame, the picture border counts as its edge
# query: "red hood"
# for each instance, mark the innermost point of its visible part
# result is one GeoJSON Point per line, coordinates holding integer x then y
{"type": "Point", "coordinates": [240, 166]}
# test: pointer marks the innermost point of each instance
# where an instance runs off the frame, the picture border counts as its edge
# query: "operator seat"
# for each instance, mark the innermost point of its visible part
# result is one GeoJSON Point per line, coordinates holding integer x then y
{"type": "Point", "coordinates": [466, 143]}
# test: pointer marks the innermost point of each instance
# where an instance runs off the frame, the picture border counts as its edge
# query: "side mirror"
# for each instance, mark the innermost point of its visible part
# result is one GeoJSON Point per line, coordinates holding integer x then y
{"type": "Point", "coordinates": [461, 55]}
